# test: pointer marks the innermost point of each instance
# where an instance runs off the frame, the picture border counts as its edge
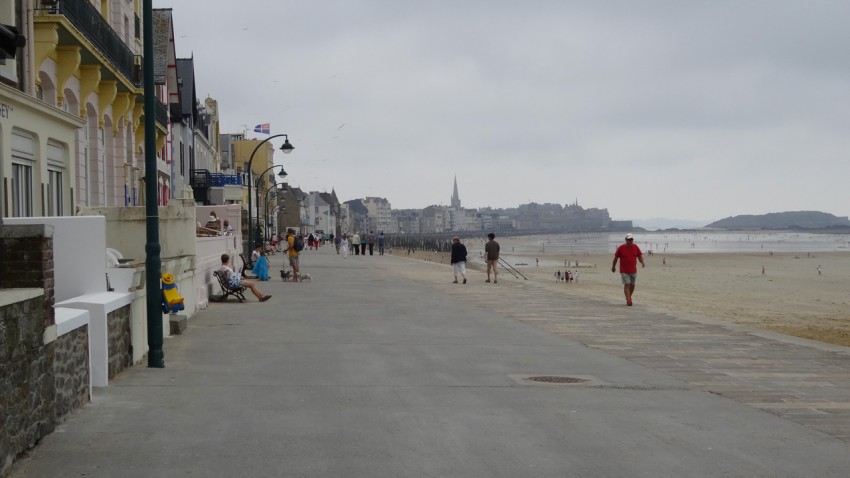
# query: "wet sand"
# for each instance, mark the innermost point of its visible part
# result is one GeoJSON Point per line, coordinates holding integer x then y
{"type": "Point", "coordinates": [791, 297]}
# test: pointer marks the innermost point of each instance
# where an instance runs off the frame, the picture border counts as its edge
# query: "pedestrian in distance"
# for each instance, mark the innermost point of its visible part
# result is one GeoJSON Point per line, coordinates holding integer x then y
{"type": "Point", "coordinates": [371, 241]}
{"type": "Point", "coordinates": [628, 254]}
{"type": "Point", "coordinates": [355, 243]}
{"type": "Point", "coordinates": [491, 255]}
{"type": "Point", "coordinates": [381, 243]}
{"type": "Point", "coordinates": [343, 245]}
{"type": "Point", "coordinates": [458, 259]}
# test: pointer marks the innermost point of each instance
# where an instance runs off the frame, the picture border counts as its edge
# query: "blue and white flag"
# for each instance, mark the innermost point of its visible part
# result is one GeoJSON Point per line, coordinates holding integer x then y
{"type": "Point", "coordinates": [262, 128]}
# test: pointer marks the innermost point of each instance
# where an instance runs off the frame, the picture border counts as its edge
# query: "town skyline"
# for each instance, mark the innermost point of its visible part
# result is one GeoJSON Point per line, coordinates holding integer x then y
{"type": "Point", "coordinates": [643, 109]}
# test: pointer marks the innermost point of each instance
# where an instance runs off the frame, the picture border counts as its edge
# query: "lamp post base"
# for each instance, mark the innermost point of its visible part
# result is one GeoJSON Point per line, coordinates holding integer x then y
{"type": "Point", "coordinates": [156, 359]}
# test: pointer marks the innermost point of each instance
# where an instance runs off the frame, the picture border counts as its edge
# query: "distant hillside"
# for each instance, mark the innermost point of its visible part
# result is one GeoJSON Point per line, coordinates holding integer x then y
{"type": "Point", "coordinates": [661, 223]}
{"type": "Point", "coordinates": [783, 220]}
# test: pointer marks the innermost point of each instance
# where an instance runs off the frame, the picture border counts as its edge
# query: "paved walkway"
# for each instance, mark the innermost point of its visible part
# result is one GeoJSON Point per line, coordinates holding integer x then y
{"type": "Point", "coordinates": [804, 381]}
{"type": "Point", "coordinates": [381, 367]}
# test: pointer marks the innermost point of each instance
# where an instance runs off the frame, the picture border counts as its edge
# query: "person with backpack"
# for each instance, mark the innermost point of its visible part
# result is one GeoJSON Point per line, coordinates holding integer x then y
{"type": "Point", "coordinates": [294, 246]}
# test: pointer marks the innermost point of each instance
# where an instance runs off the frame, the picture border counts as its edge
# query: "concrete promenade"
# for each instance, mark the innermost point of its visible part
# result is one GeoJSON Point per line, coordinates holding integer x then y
{"type": "Point", "coordinates": [380, 367]}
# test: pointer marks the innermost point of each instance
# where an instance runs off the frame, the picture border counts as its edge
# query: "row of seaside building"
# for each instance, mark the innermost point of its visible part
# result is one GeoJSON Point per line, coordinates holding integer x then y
{"type": "Point", "coordinates": [72, 122]}
{"type": "Point", "coordinates": [72, 135]}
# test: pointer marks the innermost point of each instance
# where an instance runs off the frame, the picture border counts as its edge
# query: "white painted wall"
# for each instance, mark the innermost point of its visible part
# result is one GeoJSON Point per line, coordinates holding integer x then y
{"type": "Point", "coordinates": [127, 229]}
{"type": "Point", "coordinates": [208, 259]}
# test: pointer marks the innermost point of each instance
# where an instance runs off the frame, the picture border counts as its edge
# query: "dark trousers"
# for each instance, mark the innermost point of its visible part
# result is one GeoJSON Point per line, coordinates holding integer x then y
{"type": "Point", "coordinates": [371, 246]}
{"type": "Point", "coordinates": [356, 249]}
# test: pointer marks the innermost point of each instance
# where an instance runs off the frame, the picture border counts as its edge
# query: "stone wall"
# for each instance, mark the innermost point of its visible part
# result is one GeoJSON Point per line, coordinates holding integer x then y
{"type": "Point", "coordinates": [27, 381]}
{"type": "Point", "coordinates": [42, 378]}
{"type": "Point", "coordinates": [71, 372]}
{"type": "Point", "coordinates": [26, 260]}
{"type": "Point", "coordinates": [119, 340]}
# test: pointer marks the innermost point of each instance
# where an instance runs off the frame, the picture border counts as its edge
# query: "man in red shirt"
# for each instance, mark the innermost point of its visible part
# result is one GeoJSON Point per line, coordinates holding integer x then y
{"type": "Point", "coordinates": [629, 254]}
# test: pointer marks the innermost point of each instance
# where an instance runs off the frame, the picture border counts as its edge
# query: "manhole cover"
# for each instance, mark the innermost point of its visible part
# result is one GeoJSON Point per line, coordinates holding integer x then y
{"type": "Point", "coordinates": [557, 379]}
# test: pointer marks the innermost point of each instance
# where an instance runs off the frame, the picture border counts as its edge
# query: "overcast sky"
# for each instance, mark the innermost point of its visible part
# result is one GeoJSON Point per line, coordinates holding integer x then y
{"type": "Point", "coordinates": [677, 109]}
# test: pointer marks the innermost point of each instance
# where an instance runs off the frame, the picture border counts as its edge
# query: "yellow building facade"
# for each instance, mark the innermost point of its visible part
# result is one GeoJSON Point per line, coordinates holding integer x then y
{"type": "Point", "coordinates": [74, 135]}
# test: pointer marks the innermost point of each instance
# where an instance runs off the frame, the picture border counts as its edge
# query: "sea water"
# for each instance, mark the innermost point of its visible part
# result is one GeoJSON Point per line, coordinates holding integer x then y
{"type": "Point", "coordinates": [687, 242]}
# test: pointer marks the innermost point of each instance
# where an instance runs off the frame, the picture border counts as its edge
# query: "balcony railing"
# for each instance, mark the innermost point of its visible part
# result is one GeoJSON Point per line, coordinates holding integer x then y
{"type": "Point", "coordinates": [161, 114]}
{"type": "Point", "coordinates": [219, 180]}
{"type": "Point", "coordinates": [83, 15]}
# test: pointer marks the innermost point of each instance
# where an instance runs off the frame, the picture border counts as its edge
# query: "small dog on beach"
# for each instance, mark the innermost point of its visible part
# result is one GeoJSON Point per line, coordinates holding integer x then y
{"type": "Point", "coordinates": [285, 275]}
{"type": "Point", "coordinates": [305, 277]}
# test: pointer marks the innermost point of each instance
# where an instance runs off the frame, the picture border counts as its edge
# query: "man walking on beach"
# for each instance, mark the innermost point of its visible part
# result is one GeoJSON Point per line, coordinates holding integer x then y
{"type": "Point", "coordinates": [491, 255]}
{"type": "Point", "coordinates": [629, 254]}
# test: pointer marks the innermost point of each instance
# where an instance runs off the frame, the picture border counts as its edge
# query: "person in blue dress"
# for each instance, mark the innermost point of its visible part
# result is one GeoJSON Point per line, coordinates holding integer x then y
{"type": "Point", "coordinates": [261, 267]}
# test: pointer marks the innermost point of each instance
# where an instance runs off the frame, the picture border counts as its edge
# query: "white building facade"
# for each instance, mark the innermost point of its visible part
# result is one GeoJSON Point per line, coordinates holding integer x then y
{"type": "Point", "coordinates": [380, 214]}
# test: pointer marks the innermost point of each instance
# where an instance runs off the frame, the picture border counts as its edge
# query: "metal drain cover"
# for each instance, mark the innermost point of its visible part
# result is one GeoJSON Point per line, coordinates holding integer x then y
{"type": "Point", "coordinates": [557, 379]}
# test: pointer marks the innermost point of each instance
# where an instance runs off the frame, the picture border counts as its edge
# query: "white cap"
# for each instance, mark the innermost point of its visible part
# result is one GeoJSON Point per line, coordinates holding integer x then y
{"type": "Point", "coordinates": [630, 236]}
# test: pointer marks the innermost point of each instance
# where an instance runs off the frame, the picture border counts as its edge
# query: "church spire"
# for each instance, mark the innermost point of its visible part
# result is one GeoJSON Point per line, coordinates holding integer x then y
{"type": "Point", "coordinates": [455, 196]}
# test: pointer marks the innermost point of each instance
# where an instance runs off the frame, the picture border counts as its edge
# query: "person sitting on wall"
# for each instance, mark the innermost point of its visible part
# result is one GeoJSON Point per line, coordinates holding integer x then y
{"type": "Point", "coordinates": [213, 222]}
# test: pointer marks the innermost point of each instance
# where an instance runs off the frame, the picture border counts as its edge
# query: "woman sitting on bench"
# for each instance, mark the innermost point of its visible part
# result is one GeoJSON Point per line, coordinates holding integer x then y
{"type": "Point", "coordinates": [227, 271]}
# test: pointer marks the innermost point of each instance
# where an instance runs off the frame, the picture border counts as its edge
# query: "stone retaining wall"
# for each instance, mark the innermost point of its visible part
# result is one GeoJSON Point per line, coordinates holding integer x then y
{"type": "Point", "coordinates": [27, 381]}
{"type": "Point", "coordinates": [119, 340]}
{"type": "Point", "coordinates": [42, 378]}
{"type": "Point", "coordinates": [71, 371]}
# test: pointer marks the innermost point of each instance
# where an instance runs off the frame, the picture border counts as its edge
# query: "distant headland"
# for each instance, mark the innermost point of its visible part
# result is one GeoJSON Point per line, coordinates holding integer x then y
{"type": "Point", "coordinates": [790, 220]}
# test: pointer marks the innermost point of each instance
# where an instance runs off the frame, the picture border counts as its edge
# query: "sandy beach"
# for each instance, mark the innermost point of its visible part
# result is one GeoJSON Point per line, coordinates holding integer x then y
{"type": "Point", "coordinates": [791, 297]}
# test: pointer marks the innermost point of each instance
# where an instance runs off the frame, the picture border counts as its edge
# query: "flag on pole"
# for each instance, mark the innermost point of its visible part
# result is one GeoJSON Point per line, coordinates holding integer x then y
{"type": "Point", "coordinates": [262, 128]}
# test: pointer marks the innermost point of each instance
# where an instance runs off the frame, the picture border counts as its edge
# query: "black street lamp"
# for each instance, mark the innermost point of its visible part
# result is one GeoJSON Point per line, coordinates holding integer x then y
{"type": "Point", "coordinates": [266, 199]}
{"type": "Point", "coordinates": [282, 174]}
{"type": "Point", "coordinates": [286, 148]}
{"type": "Point", "coordinates": [153, 261]}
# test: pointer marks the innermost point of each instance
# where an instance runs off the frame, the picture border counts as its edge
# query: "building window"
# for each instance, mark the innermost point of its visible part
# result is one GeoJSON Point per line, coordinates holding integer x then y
{"type": "Point", "coordinates": [55, 175]}
{"type": "Point", "coordinates": [23, 159]}
{"type": "Point", "coordinates": [54, 193]}
{"type": "Point", "coordinates": [21, 190]}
